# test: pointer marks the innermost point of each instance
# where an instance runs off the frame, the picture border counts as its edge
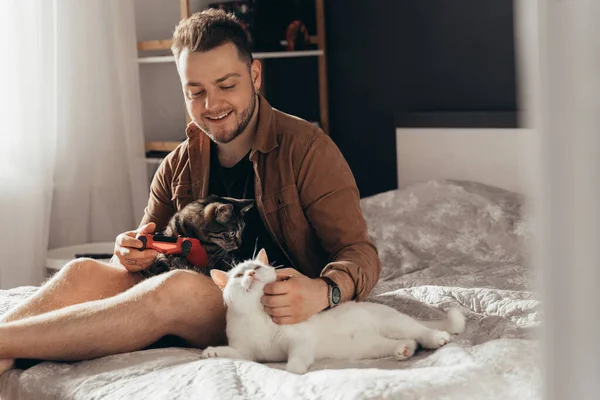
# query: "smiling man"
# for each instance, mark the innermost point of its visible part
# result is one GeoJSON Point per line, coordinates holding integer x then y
{"type": "Point", "coordinates": [307, 217]}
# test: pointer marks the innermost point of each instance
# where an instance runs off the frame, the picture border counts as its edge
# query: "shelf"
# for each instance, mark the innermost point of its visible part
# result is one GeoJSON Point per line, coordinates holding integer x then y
{"type": "Point", "coordinates": [154, 45]}
{"type": "Point", "coordinates": [162, 146]}
{"type": "Point", "coordinates": [166, 44]}
{"type": "Point", "coordinates": [271, 54]}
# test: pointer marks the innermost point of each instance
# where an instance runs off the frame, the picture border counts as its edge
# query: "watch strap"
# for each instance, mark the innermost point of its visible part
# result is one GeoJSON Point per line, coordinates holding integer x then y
{"type": "Point", "coordinates": [330, 284]}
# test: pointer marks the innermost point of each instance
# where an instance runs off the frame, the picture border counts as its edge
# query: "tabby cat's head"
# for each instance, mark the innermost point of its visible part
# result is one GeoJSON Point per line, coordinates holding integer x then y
{"type": "Point", "coordinates": [218, 220]}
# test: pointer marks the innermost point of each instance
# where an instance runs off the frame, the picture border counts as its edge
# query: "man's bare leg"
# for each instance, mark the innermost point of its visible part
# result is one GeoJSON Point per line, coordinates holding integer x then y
{"type": "Point", "coordinates": [181, 303]}
{"type": "Point", "coordinates": [77, 282]}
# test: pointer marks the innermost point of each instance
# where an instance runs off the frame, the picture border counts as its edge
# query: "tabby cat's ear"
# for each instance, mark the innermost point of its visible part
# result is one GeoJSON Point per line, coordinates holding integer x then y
{"type": "Point", "coordinates": [246, 206]}
{"type": "Point", "coordinates": [223, 213]}
{"type": "Point", "coordinates": [262, 257]}
{"type": "Point", "coordinates": [219, 277]}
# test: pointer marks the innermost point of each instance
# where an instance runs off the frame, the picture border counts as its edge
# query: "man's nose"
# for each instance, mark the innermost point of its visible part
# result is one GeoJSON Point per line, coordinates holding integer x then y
{"type": "Point", "coordinates": [211, 101]}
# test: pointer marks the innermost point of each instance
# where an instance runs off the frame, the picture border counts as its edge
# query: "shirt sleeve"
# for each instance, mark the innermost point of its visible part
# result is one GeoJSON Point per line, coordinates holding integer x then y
{"type": "Point", "coordinates": [331, 201]}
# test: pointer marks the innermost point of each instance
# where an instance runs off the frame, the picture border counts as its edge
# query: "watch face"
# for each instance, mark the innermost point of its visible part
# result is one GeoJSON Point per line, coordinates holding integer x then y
{"type": "Point", "coordinates": [336, 295]}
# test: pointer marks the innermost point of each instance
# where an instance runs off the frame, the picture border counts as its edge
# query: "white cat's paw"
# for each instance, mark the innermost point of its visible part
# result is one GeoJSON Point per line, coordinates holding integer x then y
{"type": "Point", "coordinates": [295, 366]}
{"type": "Point", "coordinates": [211, 352]}
{"type": "Point", "coordinates": [405, 349]}
{"type": "Point", "coordinates": [435, 339]}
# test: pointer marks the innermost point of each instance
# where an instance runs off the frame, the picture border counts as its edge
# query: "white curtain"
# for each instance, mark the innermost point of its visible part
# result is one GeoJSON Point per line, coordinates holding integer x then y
{"type": "Point", "coordinates": [72, 167]}
{"type": "Point", "coordinates": [559, 49]}
{"type": "Point", "coordinates": [28, 137]}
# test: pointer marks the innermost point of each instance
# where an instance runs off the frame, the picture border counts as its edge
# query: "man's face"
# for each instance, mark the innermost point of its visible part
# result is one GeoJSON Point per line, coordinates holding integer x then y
{"type": "Point", "coordinates": [219, 90]}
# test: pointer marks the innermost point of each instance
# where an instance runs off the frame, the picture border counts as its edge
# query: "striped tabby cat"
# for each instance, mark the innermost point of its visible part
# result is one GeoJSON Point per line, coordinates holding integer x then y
{"type": "Point", "coordinates": [217, 222]}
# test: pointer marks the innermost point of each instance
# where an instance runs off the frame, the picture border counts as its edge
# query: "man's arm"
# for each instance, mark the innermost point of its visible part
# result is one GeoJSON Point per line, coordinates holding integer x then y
{"type": "Point", "coordinates": [158, 211]}
{"type": "Point", "coordinates": [331, 201]}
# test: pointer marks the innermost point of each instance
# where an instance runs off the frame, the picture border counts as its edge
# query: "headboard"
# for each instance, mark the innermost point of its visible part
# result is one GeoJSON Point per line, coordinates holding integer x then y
{"type": "Point", "coordinates": [494, 156]}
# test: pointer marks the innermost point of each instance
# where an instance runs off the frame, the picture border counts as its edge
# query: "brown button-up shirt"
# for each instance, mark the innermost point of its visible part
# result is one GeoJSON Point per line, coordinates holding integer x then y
{"type": "Point", "coordinates": [305, 194]}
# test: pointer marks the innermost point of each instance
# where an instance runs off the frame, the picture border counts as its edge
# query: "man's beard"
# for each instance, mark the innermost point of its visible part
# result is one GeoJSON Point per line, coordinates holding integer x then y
{"type": "Point", "coordinates": [242, 124]}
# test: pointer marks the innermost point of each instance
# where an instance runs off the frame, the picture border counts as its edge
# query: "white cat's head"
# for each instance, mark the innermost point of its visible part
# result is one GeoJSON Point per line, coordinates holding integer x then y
{"type": "Point", "coordinates": [245, 283]}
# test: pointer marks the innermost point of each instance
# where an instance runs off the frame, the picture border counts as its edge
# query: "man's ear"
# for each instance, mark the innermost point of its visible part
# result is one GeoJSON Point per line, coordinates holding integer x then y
{"type": "Point", "coordinates": [219, 277]}
{"type": "Point", "coordinates": [256, 74]}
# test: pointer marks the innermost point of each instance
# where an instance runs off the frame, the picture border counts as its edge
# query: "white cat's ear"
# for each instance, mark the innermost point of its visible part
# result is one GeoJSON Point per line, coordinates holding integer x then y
{"type": "Point", "coordinates": [262, 257]}
{"type": "Point", "coordinates": [219, 277]}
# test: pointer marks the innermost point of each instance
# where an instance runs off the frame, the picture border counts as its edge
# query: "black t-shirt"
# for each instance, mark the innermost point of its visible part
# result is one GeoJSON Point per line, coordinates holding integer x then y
{"type": "Point", "coordinates": [238, 182]}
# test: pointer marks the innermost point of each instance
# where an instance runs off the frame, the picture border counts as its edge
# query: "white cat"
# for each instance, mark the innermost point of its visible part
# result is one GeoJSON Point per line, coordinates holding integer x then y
{"type": "Point", "coordinates": [352, 330]}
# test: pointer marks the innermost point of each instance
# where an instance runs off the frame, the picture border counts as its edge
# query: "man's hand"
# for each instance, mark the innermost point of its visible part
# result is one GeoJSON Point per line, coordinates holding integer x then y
{"type": "Point", "coordinates": [127, 249]}
{"type": "Point", "coordinates": [294, 297]}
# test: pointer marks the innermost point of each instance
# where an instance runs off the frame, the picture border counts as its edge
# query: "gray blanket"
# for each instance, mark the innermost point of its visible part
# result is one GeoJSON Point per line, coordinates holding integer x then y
{"type": "Point", "coordinates": [442, 244]}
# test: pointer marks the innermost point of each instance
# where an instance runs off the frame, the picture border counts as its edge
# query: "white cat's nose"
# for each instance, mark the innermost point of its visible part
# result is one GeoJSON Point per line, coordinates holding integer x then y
{"type": "Point", "coordinates": [251, 273]}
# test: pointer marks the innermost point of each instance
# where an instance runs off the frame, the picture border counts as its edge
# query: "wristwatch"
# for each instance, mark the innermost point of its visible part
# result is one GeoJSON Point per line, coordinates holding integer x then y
{"type": "Point", "coordinates": [334, 295]}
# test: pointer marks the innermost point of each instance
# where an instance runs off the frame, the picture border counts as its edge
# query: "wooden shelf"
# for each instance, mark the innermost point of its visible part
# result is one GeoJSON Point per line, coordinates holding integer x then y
{"type": "Point", "coordinates": [154, 45]}
{"type": "Point", "coordinates": [161, 146]}
{"type": "Point", "coordinates": [259, 56]}
{"type": "Point", "coordinates": [151, 45]}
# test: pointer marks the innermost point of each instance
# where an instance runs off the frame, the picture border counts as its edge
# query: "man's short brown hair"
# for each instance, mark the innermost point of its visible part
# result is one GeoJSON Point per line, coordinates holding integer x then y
{"type": "Point", "coordinates": [208, 29]}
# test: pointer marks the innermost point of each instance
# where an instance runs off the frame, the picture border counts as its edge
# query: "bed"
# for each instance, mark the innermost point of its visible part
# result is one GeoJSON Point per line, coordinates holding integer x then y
{"type": "Point", "coordinates": [442, 243]}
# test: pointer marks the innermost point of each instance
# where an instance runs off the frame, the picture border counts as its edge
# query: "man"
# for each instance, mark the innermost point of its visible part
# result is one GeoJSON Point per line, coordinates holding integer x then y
{"type": "Point", "coordinates": [307, 216]}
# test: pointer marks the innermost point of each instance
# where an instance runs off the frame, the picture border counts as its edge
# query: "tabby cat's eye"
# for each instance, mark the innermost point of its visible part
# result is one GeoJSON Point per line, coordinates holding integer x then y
{"type": "Point", "coordinates": [232, 234]}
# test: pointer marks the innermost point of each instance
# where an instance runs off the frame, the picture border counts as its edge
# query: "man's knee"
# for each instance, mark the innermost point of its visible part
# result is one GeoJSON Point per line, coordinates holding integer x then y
{"type": "Point", "coordinates": [84, 270]}
{"type": "Point", "coordinates": [84, 267]}
{"type": "Point", "coordinates": [186, 298]}
{"type": "Point", "coordinates": [181, 288]}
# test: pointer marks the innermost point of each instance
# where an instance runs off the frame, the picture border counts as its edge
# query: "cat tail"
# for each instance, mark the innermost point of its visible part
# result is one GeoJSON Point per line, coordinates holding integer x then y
{"type": "Point", "coordinates": [454, 322]}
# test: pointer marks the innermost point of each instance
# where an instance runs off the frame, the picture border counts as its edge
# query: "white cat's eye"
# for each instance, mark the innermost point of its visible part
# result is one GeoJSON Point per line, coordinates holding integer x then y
{"type": "Point", "coordinates": [238, 275]}
{"type": "Point", "coordinates": [257, 268]}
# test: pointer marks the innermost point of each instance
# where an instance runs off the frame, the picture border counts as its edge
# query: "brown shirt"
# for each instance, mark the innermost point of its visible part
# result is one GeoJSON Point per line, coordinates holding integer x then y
{"type": "Point", "coordinates": [305, 194]}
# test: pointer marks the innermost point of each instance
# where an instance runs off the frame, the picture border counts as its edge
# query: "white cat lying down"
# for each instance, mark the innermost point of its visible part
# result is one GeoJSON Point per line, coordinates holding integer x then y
{"type": "Point", "coordinates": [352, 330]}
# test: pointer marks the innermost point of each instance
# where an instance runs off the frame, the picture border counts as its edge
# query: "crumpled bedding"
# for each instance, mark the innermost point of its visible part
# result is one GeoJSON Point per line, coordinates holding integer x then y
{"type": "Point", "coordinates": [442, 244]}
